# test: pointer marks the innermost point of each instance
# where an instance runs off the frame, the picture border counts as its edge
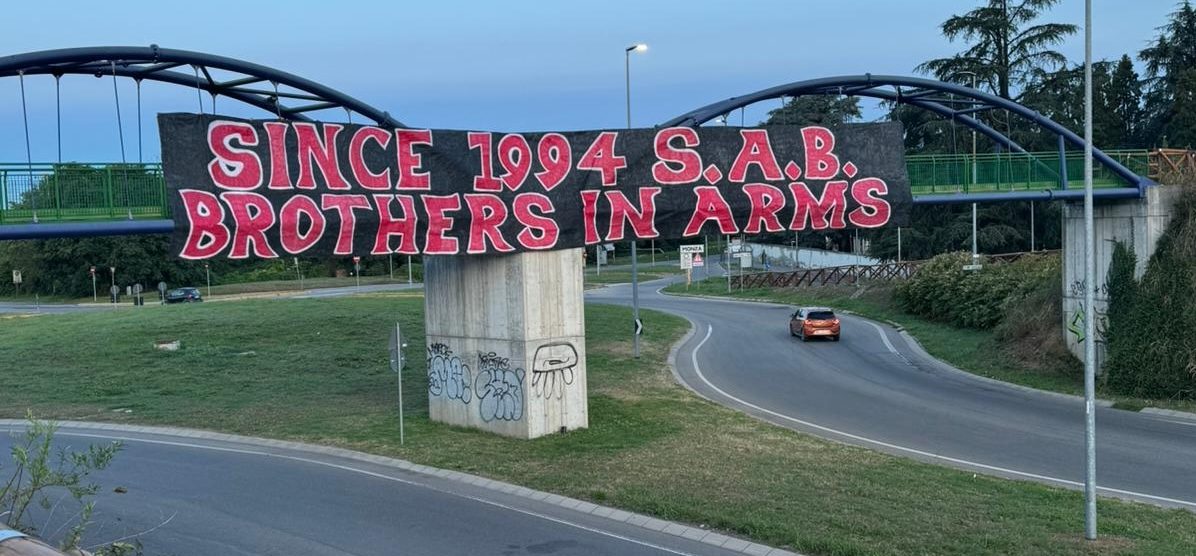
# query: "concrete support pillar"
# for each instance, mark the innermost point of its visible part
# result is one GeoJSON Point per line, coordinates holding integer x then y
{"type": "Point", "coordinates": [1138, 223]}
{"type": "Point", "coordinates": [506, 342]}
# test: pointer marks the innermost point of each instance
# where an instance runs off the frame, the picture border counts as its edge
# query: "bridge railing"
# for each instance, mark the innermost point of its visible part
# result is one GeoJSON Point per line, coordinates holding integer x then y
{"type": "Point", "coordinates": [953, 173]}
{"type": "Point", "coordinates": [79, 191]}
{"type": "Point", "coordinates": [852, 274]}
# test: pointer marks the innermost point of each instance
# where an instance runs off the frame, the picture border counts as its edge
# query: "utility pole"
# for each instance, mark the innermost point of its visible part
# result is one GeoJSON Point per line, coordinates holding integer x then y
{"type": "Point", "coordinates": [635, 282]}
{"type": "Point", "coordinates": [1089, 294]}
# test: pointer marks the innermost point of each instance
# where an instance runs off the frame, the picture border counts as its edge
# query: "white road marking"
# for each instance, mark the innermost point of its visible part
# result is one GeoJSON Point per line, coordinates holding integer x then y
{"type": "Point", "coordinates": [914, 451]}
{"type": "Point", "coordinates": [381, 476]}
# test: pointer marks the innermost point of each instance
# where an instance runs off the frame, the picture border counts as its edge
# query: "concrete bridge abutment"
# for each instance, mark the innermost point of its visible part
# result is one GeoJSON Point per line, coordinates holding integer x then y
{"type": "Point", "coordinates": [1136, 222]}
{"type": "Point", "coordinates": [506, 342]}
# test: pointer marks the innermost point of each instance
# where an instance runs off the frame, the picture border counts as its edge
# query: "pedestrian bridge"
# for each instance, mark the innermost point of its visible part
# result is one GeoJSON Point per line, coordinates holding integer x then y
{"type": "Point", "coordinates": [90, 192]}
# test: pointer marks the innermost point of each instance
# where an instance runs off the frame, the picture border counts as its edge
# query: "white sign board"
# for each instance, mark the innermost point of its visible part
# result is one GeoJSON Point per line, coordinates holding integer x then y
{"type": "Point", "coordinates": [690, 249]}
{"type": "Point", "coordinates": [687, 260]}
{"type": "Point", "coordinates": [745, 259]}
{"type": "Point", "coordinates": [602, 256]}
{"type": "Point", "coordinates": [16, 277]}
{"type": "Point", "coordinates": [697, 261]}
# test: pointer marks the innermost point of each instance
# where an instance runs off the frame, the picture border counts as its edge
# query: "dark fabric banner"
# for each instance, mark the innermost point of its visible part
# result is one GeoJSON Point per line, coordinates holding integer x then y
{"type": "Point", "coordinates": [266, 189]}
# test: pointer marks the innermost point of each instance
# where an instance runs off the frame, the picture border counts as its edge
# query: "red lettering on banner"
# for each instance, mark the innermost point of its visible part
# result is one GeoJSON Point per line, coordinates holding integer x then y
{"type": "Point", "coordinates": [601, 157]}
{"type": "Point", "coordinates": [206, 233]}
{"type": "Point", "coordinates": [622, 211]}
{"type": "Point", "coordinates": [290, 218]}
{"type": "Point", "coordinates": [756, 150]}
{"type": "Point", "coordinates": [323, 151]}
{"type": "Point", "coordinates": [234, 167]}
{"type": "Point", "coordinates": [821, 162]}
{"type": "Point", "coordinates": [556, 156]}
{"type": "Point", "coordinates": [539, 232]}
{"type": "Point", "coordinates": [280, 168]}
{"type": "Point", "coordinates": [487, 215]}
{"type": "Point", "coordinates": [252, 216]}
{"type": "Point", "coordinates": [362, 173]}
{"type": "Point", "coordinates": [436, 243]}
{"type": "Point", "coordinates": [344, 205]}
{"type": "Point", "coordinates": [873, 211]}
{"type": "Point", "coordinates": [689, 159]}
{"type": "Point", "coordinates": [589, 214]}
{"type": "Point", "coordinates": [515, 155]}
{"type": "Point", "coordinates": [480, 140]}
{"type": "Point", "coordinates": [766, 201]}
{"type": "Point", "coordinates": [710, 206]}
{"type": "Point", "coordinates": [410, 161]}
{"type": "Point", "coordinates": [827, 212]}
{"type": "Point", "coordinates": [389, 225]}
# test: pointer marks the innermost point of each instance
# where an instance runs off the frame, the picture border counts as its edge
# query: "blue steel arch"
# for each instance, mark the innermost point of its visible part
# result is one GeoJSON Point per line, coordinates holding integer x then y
{"type": "Point", "coordinates": [152, 63]}
{"type": "Point", "coordinates": [927, 94]}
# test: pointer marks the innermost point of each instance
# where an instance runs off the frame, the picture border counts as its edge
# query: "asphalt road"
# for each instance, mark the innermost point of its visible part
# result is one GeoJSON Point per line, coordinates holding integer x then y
{"type": "Point", "coordinates": [875, 390]}
{"type": "Point", "coordinates": [191, 497]}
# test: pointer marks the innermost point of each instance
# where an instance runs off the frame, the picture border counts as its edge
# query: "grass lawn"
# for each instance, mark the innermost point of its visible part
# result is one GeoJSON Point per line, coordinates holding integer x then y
{"type": "Point", "coordinates": [322, 376]}
{"type": "Point", "coordinates": [976, 351]}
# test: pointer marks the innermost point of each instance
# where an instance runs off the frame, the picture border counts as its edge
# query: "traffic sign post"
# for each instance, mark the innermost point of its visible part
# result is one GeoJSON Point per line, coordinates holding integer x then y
{"type": "Point", "coordinates": [16, 280]}
{"type": "Point", "coordinates": [162, 292]}
{"type": "Point", "coordinates": [357, 270]}
{"type": "Point", "coordinates": [639, 327]}
{"type": "Point", "coordinates": [137, 299]}
{"type": "Point", "coordinates": [397, 362]}
{"type": "Point", "coordinates": [95, 297]}
{"type": "Point", "coordinates": [114, 291]}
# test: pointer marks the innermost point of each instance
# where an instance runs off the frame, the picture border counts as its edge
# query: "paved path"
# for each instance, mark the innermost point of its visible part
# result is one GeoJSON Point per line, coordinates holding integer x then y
{"type": "Point", "coordinates": [875, 388]}
{"type": "Point", "coordinates": [201, 494]}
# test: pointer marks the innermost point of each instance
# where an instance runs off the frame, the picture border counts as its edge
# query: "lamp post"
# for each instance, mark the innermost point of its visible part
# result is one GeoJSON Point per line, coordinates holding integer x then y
{"type": "Point", "coordinates": [975, 178]}
{"type": "Point", "coordinates": [635, 286]}
{"type": "Point", "coordinates": [1089, 294]}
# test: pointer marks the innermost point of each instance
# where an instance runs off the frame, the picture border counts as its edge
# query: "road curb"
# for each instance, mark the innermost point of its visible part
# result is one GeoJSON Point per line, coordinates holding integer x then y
{"type": "Point", "coordinates": [698, 534]}
{"type": "Point", "coordinates": [1169, 413]}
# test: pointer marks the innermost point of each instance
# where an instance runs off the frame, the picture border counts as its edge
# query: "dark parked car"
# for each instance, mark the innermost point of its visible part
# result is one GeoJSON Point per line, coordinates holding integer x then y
{"type": "Point", "coordinates": [184, 295]}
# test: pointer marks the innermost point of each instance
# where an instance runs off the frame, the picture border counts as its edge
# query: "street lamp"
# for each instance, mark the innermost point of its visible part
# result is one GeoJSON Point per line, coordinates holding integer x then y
{"type": "Point", "coordinates": [635, 285]}
{"type": "Point", "coordinates": [1089, 295]}
{"type": "Point", "coordinates": [975, 180]}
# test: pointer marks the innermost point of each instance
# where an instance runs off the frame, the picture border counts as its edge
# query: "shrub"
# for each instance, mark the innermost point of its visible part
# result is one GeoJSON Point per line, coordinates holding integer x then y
{"type": "Point", "coordinates": [942, 290]}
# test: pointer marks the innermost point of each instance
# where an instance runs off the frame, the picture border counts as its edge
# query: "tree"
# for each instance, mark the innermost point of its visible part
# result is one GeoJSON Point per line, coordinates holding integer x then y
{"type": "Point", "coordinates": [1004, 47]}
{"type": "Point", "coordinates": [824, 110]}
{"type": "Point", "coordinates": [1123, 100]}
{"type": "Point", "coordinates": [1168, 87]}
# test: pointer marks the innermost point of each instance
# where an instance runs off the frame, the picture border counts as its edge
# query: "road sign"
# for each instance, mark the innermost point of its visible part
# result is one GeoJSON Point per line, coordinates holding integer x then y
{"type": "Point", "coordinates": [137, 289]}
{"type": "Point", "coordinates": [609, 246]}
{"type": "Point", "coordinates": [697, 261]}
{"type": "Point", "coordinates": [971, 267]}
{"type": "Point", "coordinates": [745, 259]}
{"type": "Point", "coordinates": [162, 287]}
{"type": "Point", "coordinates": [693, 249]}
{"type": "Point", "coordinates": [687, 260]}
{"type": "Point", "coordinates": [92, 271]}
{"type": "Point", "coordinates": [601, 257]}
{"type": "Point", "coordinates": [16, 277]}
{"type": "Point", "coordinates": [396, 365]}
{"type": "Point", "coordinates": [639, 327]}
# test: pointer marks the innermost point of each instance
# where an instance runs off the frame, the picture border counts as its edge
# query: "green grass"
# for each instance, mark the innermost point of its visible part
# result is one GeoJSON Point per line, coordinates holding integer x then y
{"type": "Point", "coordinates": [316, 371]}
{"type": "Point", "coordinates": [976, 351]}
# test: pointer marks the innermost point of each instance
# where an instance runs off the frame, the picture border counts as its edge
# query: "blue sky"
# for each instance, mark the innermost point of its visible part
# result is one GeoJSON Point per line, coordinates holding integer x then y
{"type": "Point", "coordinates": [507, 65]}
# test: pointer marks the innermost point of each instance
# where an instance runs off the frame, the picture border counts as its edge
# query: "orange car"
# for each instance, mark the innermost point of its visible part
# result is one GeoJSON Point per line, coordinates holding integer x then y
{"type": "Point", "coordinates": [810, 322]}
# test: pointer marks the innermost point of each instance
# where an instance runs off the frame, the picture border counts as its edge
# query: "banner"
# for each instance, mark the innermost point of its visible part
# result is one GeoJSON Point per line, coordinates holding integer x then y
{"type": "Point", "coordinates": [267, 189]}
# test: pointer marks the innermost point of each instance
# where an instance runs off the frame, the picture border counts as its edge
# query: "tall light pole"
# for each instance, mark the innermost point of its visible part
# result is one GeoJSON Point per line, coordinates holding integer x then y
{"type": "Point", "coordinates": [1089, 294]}
{"type": "Point", "coordinates": [975, 179]}
{"type": "Point", "coordinates": [635, 283]}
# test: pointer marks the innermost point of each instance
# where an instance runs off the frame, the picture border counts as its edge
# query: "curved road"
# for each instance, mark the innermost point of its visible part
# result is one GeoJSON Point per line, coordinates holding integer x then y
{"type": "Point", "coordinates": [189, 496]}
{"type": "Point", "coordinates": [876, 389]}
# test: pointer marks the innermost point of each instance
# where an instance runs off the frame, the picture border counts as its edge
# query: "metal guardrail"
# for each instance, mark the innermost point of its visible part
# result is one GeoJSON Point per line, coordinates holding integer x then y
{"type": "Point", "coordinates": [1010, 171]}
{"type": "Point", "coordinates": [95, 192]}
{"type": "Point", "coordinates": [81, 192]}
{"type": "Point", "coordinates": [852, 274]}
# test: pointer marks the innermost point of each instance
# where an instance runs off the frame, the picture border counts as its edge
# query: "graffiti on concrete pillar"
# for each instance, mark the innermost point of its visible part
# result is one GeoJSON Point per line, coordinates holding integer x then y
{"type": "Point", "coordinates": [1075, 324]}
{"type": "Point", "coordinates": [447, 375]}
{"type": "Point", "coordinates": [499, 388]}
{"type": "Point", "coordinates": [553, 369]}
{"type": "Point", "coordinates": [1077, 288]}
